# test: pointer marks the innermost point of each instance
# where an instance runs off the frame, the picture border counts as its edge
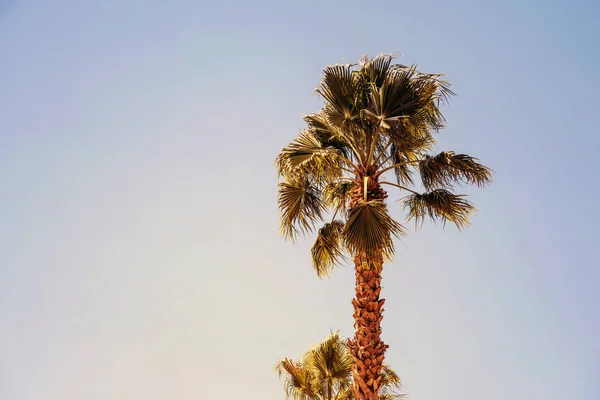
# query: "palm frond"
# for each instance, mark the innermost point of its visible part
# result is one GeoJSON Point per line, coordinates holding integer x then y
{"type": "Point", "coordinates": [330, 359]}
{"type": "Point", "coordinates": [327, 250]}
{"type": "Point", "coordinates": [306, 155]}
{"type": "Point", "coordinates": [298, 382]}
{"type": "Point", "coordinates": [404, 174]}
{"type": "Point", "coordinates": [389, 378]}
{"type": "Point", "coordinates": [375, 70]}
{"type": "Point", "coordinates": [300, 205]}
{"type": "Point", "coordinates": [411, 135]}
{"type": "Point", "coordinates": [417, 102]}
{"type": "Point", "coordinates": [369, 229]}
{"type": "Point", "coordinates": [447, 168]}
{"type": "Point", "coordinates": [393, 100]}
{"type": "Point", "coordinates": [390, 384]}
{"type": "Point", "coordinates": [336, 193]}
{"type": "Point", "coordinates": [338, 90]}
{"type": "Point", "coordinates": [327, 133]}
{"type": "Point", "coordinates": [439, 205]}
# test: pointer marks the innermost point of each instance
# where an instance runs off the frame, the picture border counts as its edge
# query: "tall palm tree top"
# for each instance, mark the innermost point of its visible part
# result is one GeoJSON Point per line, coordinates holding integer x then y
{"type": "Point", "coordinates": [378, 118]}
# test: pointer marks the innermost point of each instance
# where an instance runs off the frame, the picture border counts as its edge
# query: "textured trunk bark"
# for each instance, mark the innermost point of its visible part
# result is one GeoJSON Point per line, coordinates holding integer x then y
{"type": "Point", "coordinates": [366, 347]}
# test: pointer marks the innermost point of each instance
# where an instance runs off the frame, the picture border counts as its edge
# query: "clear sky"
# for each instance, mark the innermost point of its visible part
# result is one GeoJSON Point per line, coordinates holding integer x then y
{"type": "Point", "coordinates": [139, 249]}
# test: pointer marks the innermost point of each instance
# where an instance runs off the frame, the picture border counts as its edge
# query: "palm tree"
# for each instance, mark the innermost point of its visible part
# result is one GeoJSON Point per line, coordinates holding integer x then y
{"type": "Point", "coordinates": [325, 373]}
{"type": "Point", "coordinates": [378, 118]}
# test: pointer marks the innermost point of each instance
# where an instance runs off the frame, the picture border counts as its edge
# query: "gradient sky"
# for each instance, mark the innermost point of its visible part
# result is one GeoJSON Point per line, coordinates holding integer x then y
{"type": "Point", "coordinates": [139, 249]}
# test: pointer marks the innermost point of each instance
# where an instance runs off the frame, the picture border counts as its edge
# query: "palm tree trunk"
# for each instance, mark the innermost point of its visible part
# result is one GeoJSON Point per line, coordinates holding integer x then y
{"type": "Point", "coordinates": [366, 347]}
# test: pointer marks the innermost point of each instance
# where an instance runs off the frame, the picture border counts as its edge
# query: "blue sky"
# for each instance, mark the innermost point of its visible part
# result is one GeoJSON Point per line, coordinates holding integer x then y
{"type": "Point", "coordinates": [139, 246]}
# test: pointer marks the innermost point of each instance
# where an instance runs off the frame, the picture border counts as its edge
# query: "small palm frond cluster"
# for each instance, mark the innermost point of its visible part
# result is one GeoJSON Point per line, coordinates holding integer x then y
{"type": "Point", "coordinates": [378, 118]}
{"type": "Point", "coordinates": [325, 373]}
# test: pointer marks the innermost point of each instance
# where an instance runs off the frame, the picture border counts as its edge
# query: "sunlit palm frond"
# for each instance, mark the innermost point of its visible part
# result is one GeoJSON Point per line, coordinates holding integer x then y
{"type": "Point", "coordinates": [411, 136]}
{"type": "Point", "coordinates": [319, 124]}
{"type": "Point", "coordinates": [447, 168]}
{"type": "Point", "coordinates": [393, 100]}
{"type": "Point", "coordinates": [330, 359]}
{"type": "Point", "coordinates": [371, 75]}
{"type": "Point", "coordinates": [374, 70]}
{"type": "Point", "coordinates": [306, 155]}
{"type": "Point", "coordinates": [298, 382]}
{"type": "Point", "coordinates": [421, 107]}
{"type": "Point", "coordinates": [389, 378]}
{"type": "Point", "coordinates": [439, 205]}
{"type": "Point", "coordinates": [336, 193]}
{"type": "Point", "coordinates": [338, 89]}
{"type": "Point", "coordinates": [300, 206]}
{"type": "Point", "coordinates": [390, 384]}
{"type": "Point", "coordinates": [327, 250]}
{"type": "Point", "coordinates": [328, 134]}
{"type": "Point", "coordinates": [369, 228]}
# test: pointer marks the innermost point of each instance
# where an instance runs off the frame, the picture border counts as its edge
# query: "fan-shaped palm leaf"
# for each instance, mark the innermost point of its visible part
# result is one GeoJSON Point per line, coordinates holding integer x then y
{"type": "Point", "coordinates": [339, 90]}
{"type": "Point", "coordinates": [298, 382]}
{"type": "Point", "coordinates": [330, 363]}
{"type": "Point", "coordinates": [300, 206]}
{"type": "Point", "coordinates": [369, 228]}
{"type": "Point", "coordinates": [306, 155]}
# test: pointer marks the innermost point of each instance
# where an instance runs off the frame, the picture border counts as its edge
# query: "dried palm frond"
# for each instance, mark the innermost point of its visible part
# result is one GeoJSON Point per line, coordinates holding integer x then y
{"type": "Point", "coordinates": [448, 168]}
{"type": "Point", "coordinates": [441, 205]}
{"type": "Point", "coordinates": [300, 206]}
{"type": "Point", "coordinates": [327, 250]}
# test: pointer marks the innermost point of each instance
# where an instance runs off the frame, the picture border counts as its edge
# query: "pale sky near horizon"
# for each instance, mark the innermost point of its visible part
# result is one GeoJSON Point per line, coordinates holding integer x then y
{"type": "Point", "coordinates": [139, 249]}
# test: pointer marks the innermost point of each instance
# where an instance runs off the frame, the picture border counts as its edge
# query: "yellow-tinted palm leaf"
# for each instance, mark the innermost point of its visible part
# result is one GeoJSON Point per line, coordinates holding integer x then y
{"type": "Point", "coordinates": [327, 250]}
{"type": "Point", "coordinates": [336, 193]}
{"type": "Point", "coordinates": [298, 382]}
{"type": "Point", "coordinates": [339, 90]}
{"type": "Point", "coordinates": [330, 359]}
{"type": "Point", "coordinates": [306, 155]}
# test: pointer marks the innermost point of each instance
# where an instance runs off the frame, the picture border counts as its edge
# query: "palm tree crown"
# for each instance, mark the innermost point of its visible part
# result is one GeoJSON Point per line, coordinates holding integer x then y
{"type": "Point", "coordinates": [378, 117]}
